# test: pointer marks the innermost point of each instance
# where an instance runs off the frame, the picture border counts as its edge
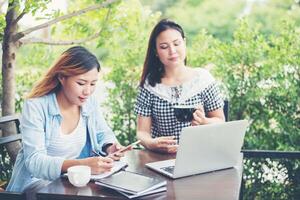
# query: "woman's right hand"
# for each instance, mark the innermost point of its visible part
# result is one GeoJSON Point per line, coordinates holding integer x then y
{"type": "Point", "coordinates": [166, 144]}
{"type": "Point", "coordinates": [99, 164]}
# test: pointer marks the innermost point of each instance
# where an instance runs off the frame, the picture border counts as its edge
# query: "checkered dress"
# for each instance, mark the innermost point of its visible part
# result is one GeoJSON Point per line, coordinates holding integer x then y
{"type": "Point", "coordinates": [157, 102]}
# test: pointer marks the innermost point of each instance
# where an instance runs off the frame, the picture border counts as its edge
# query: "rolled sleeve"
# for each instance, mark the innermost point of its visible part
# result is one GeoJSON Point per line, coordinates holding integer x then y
{"type": "Point", "coordinates": [101, 133]}
{"type": "Point", "coordinates": [37, 162]}
{"type": "Point", "coordinates": [143, 104]}
{"type": "Point", "coordinates": [104, 134]}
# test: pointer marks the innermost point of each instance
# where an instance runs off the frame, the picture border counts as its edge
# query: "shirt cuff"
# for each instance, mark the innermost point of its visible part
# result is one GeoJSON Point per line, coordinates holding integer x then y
{"type": "Point", "coordinates": [105, 146]}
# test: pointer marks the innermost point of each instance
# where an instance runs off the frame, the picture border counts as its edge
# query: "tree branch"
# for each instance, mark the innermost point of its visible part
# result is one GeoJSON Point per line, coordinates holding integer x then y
{"type": "Point", "coordinates": [59, 42]}
{"type": "Point", "coordinates": [19, 17]}
{"type": "Point", "coordinates": [71, 42]}
{"type": "Point", "coordinates": [62, 18]}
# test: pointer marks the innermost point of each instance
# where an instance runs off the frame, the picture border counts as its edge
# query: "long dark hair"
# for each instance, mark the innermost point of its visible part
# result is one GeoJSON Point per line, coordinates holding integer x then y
{"type": "Point", "coordinates": [74, 61]}
{"type": "Point", "coordinates": [153, 68]}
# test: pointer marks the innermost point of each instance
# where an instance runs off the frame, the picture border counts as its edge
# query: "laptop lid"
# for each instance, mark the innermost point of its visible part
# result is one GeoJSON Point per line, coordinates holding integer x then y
{"type": "Point", "coordinates": [206, 148]}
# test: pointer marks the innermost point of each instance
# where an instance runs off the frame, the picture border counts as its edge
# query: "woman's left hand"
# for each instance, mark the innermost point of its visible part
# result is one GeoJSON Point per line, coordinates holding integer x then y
{"type": "Point", "coordinates": [113, 151]}
{"type": "Point", "coordinates": [199, 116]}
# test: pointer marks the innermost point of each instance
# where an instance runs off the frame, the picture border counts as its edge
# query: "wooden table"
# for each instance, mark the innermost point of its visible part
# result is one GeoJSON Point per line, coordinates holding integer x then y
{"type": "Point", "coordinates": [223, 184]}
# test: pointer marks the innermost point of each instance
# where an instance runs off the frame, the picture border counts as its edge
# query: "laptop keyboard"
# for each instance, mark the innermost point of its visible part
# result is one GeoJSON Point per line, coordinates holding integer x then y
{"type": "Point", "coordinates": [169, 169]}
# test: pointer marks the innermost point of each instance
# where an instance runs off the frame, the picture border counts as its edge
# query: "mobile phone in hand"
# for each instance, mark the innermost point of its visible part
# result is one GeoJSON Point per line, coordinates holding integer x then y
{"type": "Point", "coordinates": [128, 147]}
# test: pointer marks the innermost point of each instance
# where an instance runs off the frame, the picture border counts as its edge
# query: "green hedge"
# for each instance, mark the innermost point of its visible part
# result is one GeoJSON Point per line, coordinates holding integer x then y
{"type": "Point", "coordinates": [259, 73]}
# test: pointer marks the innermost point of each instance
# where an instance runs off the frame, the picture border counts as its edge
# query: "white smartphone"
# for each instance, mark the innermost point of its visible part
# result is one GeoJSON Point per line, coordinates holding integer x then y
{"type": "Point", "coordinates": [128, 147]}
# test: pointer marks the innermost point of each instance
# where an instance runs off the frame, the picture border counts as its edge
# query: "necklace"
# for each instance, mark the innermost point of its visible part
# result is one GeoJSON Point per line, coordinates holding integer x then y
{"type": "Point", "coordinates": [176, 93]}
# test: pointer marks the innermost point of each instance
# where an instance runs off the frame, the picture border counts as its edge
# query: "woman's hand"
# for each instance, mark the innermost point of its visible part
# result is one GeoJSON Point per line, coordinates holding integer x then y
{"type": "Point", "coordinates": [199, 116]}
{"type": "Point", "coordinates": [98, 164]}
{"type": "Point", "coordinates": [113, 151]}
{"type": "Point", "coordinates": [166, 144]}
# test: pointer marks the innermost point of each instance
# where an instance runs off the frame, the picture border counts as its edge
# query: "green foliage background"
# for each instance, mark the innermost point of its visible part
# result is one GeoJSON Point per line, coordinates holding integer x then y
{"type": "Point", "coordinates": [256, 57]}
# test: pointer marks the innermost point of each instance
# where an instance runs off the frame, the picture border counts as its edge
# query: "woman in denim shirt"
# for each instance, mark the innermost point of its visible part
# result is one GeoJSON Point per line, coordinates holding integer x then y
{"type": "Point", "coordinates": [62, 124]}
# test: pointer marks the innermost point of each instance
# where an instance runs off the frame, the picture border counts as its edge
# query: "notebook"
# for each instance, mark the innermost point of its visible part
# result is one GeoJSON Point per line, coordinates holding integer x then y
{"type": "Point", "coordinates": [131, 196]}
{"type": "Point", "coordinates": [205, 148]}
{"type": "Point", "coordinates": [118, 165]}
{"type": "Point", "coordinates": [133, 183]}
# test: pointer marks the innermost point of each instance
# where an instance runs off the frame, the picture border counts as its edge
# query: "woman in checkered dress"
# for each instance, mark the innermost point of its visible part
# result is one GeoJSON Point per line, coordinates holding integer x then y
{"type": "Point", "coordinates": [167, 81]}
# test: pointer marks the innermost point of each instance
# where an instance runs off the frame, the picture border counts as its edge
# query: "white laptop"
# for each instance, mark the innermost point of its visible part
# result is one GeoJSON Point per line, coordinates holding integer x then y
{"type": "Point", "coordinates": [205, 148]}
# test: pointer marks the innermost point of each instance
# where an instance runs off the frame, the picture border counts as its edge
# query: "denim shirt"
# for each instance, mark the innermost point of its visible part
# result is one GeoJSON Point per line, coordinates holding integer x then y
{"type": "Point", "coordinates": [40, 122]}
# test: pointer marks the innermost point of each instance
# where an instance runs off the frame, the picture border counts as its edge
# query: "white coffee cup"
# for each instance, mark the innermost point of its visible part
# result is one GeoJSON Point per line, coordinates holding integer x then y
{"type": "Point", "coordinates": [79, 175]}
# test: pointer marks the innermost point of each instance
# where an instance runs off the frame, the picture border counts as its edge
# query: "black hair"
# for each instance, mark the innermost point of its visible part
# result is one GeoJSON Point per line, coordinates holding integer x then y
{"type": "Point", "coordinates": [153, 68]}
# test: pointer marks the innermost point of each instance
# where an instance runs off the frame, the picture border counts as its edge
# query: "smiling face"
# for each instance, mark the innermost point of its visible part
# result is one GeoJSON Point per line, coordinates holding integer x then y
{"type": "Point", "coordinates": [171, 48]}
{"type": "Point", "coordinates": [76, 89]}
